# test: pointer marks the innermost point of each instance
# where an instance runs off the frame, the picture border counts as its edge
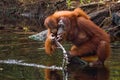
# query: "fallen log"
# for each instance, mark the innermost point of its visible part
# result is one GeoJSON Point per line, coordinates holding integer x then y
{"type": "Point", "coordinates": [98, 16]}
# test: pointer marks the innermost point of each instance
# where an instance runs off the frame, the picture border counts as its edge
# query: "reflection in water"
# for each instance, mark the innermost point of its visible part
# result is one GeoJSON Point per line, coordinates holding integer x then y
{"type": "Point", "coordinates": [75, 72]}
{"type": "Point", "coordinates": [89, 73]}
{"type": "Point", "coordinates": [52, 75]}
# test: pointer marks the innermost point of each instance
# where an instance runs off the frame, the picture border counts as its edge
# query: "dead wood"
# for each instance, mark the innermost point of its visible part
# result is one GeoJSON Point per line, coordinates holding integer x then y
{"type": "Point", "coordinates": [98, 16]}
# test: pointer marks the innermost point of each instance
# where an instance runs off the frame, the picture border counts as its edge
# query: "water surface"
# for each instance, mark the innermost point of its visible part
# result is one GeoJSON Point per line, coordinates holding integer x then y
{"type": "Point", "coordinates": [25, 59]}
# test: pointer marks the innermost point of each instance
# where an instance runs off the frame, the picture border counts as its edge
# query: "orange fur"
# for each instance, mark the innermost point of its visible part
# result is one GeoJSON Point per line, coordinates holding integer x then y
{"type": "Point", "coordinates": [79, 12]}
{"type": "Point", "coordinates": [51, 22]}
{"type": "Point", "coordinates": [86, 37]}
{"type": "Point", "coordinates": [49, 46]}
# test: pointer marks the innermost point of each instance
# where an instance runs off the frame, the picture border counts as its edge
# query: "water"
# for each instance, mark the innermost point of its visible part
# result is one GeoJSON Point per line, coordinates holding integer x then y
{"type": "Point", "coordinates": [25, 59]}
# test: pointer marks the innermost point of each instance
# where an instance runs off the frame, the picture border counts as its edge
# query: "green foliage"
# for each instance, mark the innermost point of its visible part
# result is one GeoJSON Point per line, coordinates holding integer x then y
{"type": "Point", "coordinates": [88, 1]}
{"type": "Point", "coordinates": [81, 1]}
{"type": "Point", "coordinates": [68, 3]}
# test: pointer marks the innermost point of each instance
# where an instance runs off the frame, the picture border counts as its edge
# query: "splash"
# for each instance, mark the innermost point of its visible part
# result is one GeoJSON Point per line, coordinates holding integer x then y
{"type": "Point", "coordinates": [21, 62]}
